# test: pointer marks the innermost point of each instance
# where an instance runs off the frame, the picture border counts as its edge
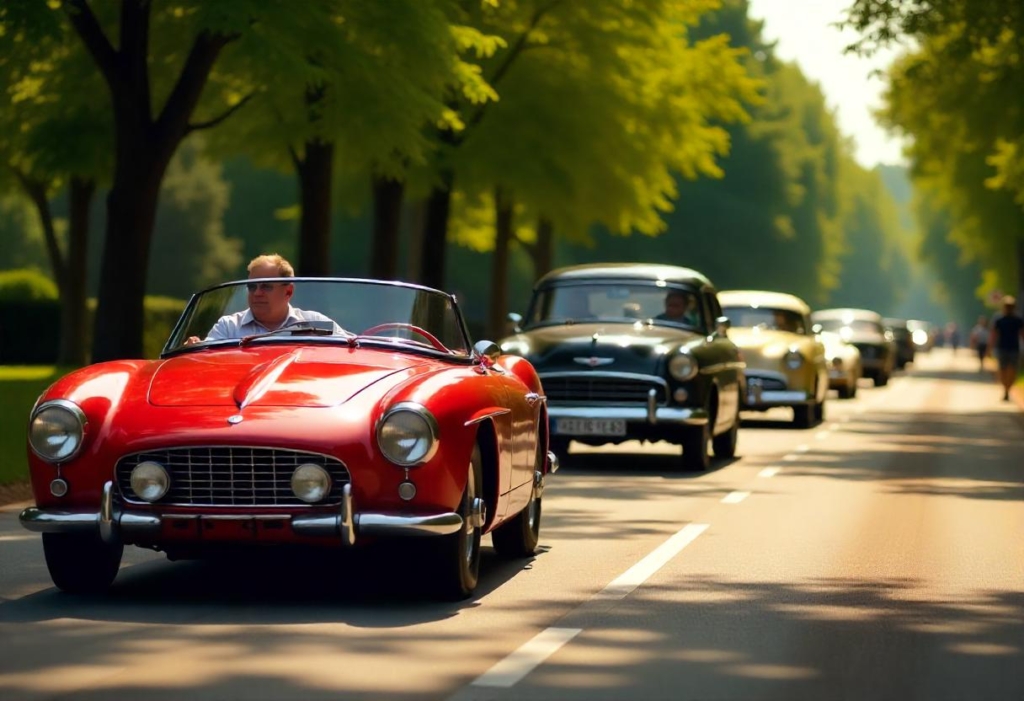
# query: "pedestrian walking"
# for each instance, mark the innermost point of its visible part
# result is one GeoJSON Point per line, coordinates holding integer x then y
{"type": "Point", "coordinates": [1005, 341]}
{"type": "Point", "coordinates": [979, 340]}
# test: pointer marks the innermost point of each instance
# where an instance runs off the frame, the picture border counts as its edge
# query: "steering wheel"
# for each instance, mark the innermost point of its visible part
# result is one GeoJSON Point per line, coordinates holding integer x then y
{"type": "Point", "coordinates": [399, 325]}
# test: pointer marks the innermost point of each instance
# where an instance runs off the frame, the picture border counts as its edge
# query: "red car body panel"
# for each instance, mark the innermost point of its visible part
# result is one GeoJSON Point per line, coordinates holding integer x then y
{"type": "Point", "coordinates": [324, 399]}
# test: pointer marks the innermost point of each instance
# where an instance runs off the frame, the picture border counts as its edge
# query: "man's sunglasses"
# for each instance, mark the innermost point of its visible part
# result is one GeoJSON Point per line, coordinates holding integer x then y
{"type": "Point", "coordinates": [261, 286]}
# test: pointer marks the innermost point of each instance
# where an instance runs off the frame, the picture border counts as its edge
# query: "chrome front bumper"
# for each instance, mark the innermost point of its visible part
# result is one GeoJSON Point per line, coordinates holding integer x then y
{"type": "Point", "coordinates": [650, 414]}
{"type": "Point", "coordinates": [114, 522]}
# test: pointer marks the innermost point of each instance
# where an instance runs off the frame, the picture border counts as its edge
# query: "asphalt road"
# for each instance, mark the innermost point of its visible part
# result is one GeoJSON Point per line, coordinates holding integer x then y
{"type": "Point", "coordinates": [875, 556]}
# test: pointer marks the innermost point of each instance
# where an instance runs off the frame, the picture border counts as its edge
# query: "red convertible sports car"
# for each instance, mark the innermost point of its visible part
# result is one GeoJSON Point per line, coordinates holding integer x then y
{"type": "Point", "coordinates": [385, 425]}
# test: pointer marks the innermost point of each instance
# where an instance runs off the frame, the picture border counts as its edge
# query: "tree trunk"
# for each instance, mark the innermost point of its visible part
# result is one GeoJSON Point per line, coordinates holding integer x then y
{"type": "Point", "coordinates": [498, 305]}
{"type": "Point", "coordinates": [131, 214]}
{"type": "Point", "coordinates": [417, 222]}
{"type": "Point", "coordinates": [73, 349]}
{"type": "Point", "coordinates": [435, 232]}
{"type": "Point", "coordinates": [544, 249]}
{"type": "Point", "coordinates": [387, 220]}
{"type": "Point", "coordinates": [315, 173]}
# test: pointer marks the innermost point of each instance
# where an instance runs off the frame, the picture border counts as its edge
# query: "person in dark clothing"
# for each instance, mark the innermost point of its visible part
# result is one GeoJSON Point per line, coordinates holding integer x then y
{"type": "Point", "coordinates": [1005, 342]}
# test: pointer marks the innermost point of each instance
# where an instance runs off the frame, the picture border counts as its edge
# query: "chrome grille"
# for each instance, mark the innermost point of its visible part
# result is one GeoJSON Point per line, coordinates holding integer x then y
{"type": "Point", "coordinates": [231, 475]}
{"type": "Point", "coordinates": [594, 389]}
{"type": "Point", "coordinates": [770, 384]}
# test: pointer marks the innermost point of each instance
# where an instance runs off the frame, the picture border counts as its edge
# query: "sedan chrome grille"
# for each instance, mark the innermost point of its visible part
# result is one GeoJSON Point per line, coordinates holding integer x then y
{"type": "Point", "coordinates": [590, 389]}
{"type": "Point", "coordinates": [231, 475]}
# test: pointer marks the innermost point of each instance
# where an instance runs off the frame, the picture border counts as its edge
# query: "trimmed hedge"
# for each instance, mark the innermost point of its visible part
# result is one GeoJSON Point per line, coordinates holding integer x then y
{"type": "Point", "coordinates": [26, 285]}
{"type": "Point", "coordinates": [30, 329]}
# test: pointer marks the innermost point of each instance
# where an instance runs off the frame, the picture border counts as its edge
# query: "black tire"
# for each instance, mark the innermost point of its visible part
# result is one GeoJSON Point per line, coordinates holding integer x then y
{"type": "Point", "coordinates": [456, 557]}
{"type": "Point", "coordinates": [724, 445]}
{"type": "Point", "coordinates": [695, 447]}
{"type": "Point", "coordinates": [881, 379]}
{"type": "Point", "coordinates": [803, 415]}
{"type": "Point", "coordinates": [81, 563]}
{"type": "Point", "coordinates": [847, 391]}
{"type": "Point", "coordinates": [819, 412]}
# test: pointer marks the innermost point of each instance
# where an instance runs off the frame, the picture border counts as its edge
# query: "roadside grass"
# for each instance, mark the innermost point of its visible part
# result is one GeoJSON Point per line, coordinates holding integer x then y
{"type": "Point", "coordinates": [20, 386]}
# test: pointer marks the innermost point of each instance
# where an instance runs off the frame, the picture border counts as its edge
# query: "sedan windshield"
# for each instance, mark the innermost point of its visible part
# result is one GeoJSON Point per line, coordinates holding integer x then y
{"type": "Point", "coordinates": [766, 318]}
{"type": "Point", "coordinates": [325, 310]}
{"type": "Point", "coordinates": [622, 302]}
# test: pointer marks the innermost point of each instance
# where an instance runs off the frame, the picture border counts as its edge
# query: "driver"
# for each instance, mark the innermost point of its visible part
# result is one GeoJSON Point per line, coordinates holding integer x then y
{"type": "Point", "coordinates": [269, 304]}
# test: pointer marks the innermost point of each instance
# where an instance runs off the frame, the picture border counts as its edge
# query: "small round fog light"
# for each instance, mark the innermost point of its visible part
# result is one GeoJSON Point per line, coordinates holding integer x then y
{"type": "Point", "coordinates": [406, 491]}
{"type": "Point", "coordinates": [150, 481]}
{"type": "Point", "coordinates": [58, 487]}
{"type": "Point", "coordinates": [680, 395]}
{"type": "Point", "coordinates": [311, 483]}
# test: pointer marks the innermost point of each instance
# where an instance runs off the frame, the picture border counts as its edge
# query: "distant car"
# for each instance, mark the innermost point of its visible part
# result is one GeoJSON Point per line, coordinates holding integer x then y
{"type": "Point", "coordinates": [785, 361]}
{"type": "Point", "coordinates": [843, 361]}
{"type": "Point", "coordinates": [614, 368]}
{"type": "Point", "coordinates": [903, 336]}
{"type": "Point", "coordinates": [864, 329]}
{"type": "Point", "coordinates": [396, 427]}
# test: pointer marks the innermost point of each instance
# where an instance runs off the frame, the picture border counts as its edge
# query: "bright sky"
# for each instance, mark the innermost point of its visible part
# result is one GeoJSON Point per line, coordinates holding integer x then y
{"type": "Point", "coordinates": [803, 34]}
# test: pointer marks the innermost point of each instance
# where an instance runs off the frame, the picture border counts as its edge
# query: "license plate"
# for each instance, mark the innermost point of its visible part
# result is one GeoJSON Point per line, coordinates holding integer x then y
{"type": "Point", "coordinates": [590, 427]}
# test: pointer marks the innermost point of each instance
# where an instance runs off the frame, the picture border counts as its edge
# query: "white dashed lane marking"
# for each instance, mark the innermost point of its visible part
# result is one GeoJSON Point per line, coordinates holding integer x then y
{"type": "Point", "coordinates": [768, 472]}
{"type": "Point", "coordinates": [735, 497]}
{"type": "Point", "coordinates": [527, 658]}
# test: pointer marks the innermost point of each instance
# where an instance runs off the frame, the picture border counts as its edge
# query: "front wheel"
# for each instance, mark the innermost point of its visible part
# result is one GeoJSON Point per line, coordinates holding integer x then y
{"type": "Point", "coordinates": [457, 556]}
{"type": "Point", "coordinates": [81, 563]}
{"type": "Point", "coordinates": [518, 537]}
{"type": "Point", "coordinates": [695, 447]}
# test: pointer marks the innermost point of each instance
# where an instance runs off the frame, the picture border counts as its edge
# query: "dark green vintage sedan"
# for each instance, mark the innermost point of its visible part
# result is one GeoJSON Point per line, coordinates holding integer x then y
{"type": "Point", "coordinates": [633, 351]}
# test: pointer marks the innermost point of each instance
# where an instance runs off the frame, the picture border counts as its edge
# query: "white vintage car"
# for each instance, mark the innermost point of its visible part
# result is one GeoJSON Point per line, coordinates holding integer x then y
{"type": "Point", "coordinates": [785, 360]}
{"type": "Point", "coordinates": [844, 364]}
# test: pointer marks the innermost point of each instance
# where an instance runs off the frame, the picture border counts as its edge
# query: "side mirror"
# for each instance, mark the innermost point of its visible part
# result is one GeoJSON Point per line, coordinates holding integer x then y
{"type": "Point", "coordinates": [722, 324]}
{"type": "Point", "coordinates": [816, 329]}
{"type": "Point", "coordinates": [487, 351]}
{"type": "Point", "coordinates": [516, 320]}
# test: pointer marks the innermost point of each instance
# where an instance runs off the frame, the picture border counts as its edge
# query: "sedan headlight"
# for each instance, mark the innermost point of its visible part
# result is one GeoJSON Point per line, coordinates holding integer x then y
{"type": "Point", "coordinates": [407, 435]}
{"type": "Point", "coordinates": [150, 481]}
{"type": "Point", "coordinates": [794, 360]}
{"type": "Point", "coordinates": [682, 366]}
{"type": "Point", "coordinates": [56, 429]}
{"type": "Point", "coordinates": [311, 483]}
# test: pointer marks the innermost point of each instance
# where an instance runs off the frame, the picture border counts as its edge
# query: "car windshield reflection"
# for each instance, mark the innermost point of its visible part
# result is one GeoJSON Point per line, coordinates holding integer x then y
{"type": "Point", "coordinates": [629, 302]}
{"type": "Point", "coordinates": [322, 310]}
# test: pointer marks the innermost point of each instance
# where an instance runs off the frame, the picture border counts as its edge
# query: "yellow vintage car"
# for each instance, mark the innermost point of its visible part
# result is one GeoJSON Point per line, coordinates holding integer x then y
{"type": "Point", "coordinates": [785, 360]}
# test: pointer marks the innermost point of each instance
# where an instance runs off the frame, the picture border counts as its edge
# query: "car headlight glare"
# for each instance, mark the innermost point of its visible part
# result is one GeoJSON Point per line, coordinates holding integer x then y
{"type": "Point", "coordinates": [56, 429]}
{"type": "Point", "coordinates": [794, 360]}
{"type": "Point", "coordinates": [311, 483]}
{"type": "Point", "coordinates": [682, 366]}
{"type": "Point", "coordinates": [407, 435]}
{"type": "Point", "coordinates": [150, 481]}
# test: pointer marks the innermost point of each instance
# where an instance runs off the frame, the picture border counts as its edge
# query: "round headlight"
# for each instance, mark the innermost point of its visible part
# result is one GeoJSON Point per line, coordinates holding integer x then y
{"type": "Point", "coordinates": [150, 481]}
{"type": "Point", "coordinates": [311, 483]}
{"type": "Point", "coordinates": [55, 430]}
{"type": "Point", "coordinates": [407, 435]}
{"type": "Point", "coordinates": [837, 362]}
{"type": "Point", "coordinates": [794, 360]}
{"type": "Point", "coordinates": [682, 366]}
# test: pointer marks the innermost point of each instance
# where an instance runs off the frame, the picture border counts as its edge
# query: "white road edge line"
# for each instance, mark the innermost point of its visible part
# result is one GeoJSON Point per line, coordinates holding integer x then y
{"type": "Point", "coordinates": [768, 472]}
{"type": "Point", "coordinates": [621, 586]}
{"type": "Point", "coordinates": [528, 657]}
{"type": "Point", "coordinates": [735, 497]}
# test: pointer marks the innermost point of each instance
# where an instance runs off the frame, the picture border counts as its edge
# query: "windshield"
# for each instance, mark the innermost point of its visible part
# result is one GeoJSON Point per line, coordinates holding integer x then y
{"type": "Point", "coordinates": [621, 302]}
{"type": "Point", "coordinates": [852, 325]}
{"type": "Point", "coordinates": [766, 318]}
{"type": "Point", "coordinates": [275, 310]}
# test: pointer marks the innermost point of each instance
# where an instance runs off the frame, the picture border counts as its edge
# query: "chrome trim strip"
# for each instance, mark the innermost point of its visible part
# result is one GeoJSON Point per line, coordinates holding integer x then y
{"type": "Point", "coordinates": [667, 415]}
{"type": "Point", "coordinates": [652, 405]}
{"type": "Point", "coordinates": [552, 463]}
{"type": "Point", "coordinates": [718, 367]}
{"type": "Point", "coordinates": [392, 525]}
{"type": "Point", "coordinates": [141, 524]}
{"type": "Point", "coordinates": [493, 414]}
{"type": "Point", "coordinates": [783, 398]}
{"type": "Point", "coordinates": [58, 521]}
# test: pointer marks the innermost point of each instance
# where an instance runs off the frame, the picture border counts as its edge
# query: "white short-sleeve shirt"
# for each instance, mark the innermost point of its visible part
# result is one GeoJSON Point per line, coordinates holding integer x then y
{"type": "Point", "coordinates": [243, 324]}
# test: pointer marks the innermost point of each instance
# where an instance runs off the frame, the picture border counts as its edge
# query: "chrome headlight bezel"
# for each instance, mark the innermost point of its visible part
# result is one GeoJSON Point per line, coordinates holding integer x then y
{"type": "Point", "coordinates": [76, 423]}
{"type": "Point", "coordinates": [683, 366]}
{"type": "Point", "coordinates": [422, 429]}
{"type": "Point", "coordinates": [794, 359]}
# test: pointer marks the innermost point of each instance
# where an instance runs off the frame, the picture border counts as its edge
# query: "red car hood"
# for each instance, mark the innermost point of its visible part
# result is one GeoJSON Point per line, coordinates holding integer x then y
{"type": "Point", "coordinates": [296, 377]}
